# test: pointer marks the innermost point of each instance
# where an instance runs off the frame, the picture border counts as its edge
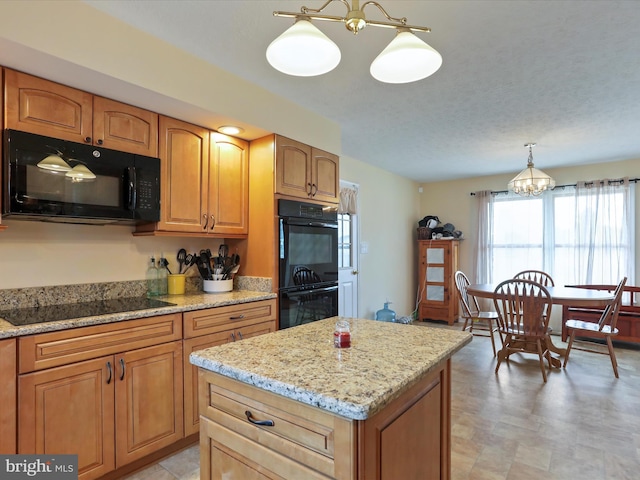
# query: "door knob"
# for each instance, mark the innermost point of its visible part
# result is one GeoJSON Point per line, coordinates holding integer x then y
{"type": "Point", "coordinates": [354, 272]}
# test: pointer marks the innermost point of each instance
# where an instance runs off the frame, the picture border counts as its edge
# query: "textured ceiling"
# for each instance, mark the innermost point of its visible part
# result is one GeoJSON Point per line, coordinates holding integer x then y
{"type": "Point", "coordinates": [564, 74]}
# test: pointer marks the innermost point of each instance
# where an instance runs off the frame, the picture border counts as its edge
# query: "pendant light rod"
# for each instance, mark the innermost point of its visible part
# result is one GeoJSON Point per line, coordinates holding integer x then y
{"type": "Point", "coordinates": [355, 19]}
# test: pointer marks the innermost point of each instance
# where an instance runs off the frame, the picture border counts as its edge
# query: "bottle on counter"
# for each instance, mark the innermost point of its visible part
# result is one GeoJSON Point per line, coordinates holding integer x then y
{"type": "Point", "coordinates": [342, 334]}
{"type": "Point", "coordinates": [153, 287]}
{"type": "Point", "coordinates": [162, 277]}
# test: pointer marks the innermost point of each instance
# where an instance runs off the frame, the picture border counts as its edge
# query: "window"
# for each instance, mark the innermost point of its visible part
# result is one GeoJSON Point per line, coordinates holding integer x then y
{"type": "Point", "coordinates": [578, 235]}
{"type": "Point", "coordinates": [345, 246]}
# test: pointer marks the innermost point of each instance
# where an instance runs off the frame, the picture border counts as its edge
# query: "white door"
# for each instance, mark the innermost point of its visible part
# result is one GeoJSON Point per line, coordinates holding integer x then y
{"type": "Point", "coordinates": [348, 264]}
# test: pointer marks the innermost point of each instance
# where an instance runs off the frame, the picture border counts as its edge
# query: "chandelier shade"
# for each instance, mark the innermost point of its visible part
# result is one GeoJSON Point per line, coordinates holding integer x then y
{"type": "Point", "coordinates": [54, 163]}
{"type": "Point", "coordinates": [303, 51]}
{"type": "Point", "coordinates": [406, 59]}
{"type": "Point", "coordinates": [531, 181]}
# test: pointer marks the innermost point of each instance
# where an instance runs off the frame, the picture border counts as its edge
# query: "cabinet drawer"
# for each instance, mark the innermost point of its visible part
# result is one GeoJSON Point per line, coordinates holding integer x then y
{"type": "Point", "coordinates": [46, 350]}
{"type": "Point", "coordinates": [308, 435]}
{"type": "Point", "coordinates": [212, 320]}
{"type": "Point", "coordinates": [238, 457]}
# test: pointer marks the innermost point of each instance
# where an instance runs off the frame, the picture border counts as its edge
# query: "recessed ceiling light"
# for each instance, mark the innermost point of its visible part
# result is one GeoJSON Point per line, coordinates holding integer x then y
{"type": "Point", "coordinates": [230, 130]}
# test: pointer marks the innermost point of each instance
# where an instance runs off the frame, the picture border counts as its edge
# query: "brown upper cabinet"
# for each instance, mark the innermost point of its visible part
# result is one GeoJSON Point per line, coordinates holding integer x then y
{"type": "Point", "coordinates": [47, 108]}
{"type": "Point", "coordinates": [205, 177]}
{"type": "Point", "coordinates": [306, 172]}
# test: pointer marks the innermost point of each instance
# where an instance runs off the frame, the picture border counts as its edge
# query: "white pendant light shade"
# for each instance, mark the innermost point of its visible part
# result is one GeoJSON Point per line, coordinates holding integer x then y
{"type": "Point", "coordinates": [54, 163]}
{"type": "Point", "coordinates": [406, 59]}
{"type": "Point", "coordinates": [303, 51]}
{"type": "Point", "coordinates": [80, 172]}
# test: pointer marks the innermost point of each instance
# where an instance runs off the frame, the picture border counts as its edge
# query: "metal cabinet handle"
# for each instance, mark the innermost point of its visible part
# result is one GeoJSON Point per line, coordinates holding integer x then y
{"type": "Point", "coordinates": [237, 317]}
{"type": "Point", "coordinates": [100, 142]}
{"type": "Point", "coordinates": [240, 334]}
{"type": "Point", "coordinates": [233, 337]}
{"type": "Point", "coordinates": [262, 423]}
{"type": "Point", "coordinates": [313, 192]}
{"type": "Point", "coordinates": [87, 140]}
{"type": "Point", "coordinates": [206, 221]}
{"type": "Point", "coordinates": [309, 189]}
{"type": "Point", "coordinates": [122, 366]}
{"type": "Point", "coordinates": [213, 221]}
{"type": "Point", "coordinates": [110, 372]}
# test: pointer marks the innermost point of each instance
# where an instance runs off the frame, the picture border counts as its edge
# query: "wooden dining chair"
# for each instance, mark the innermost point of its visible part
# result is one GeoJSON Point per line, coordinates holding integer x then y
{"type": "Point", "coordinates": [537, 276]}
{"type": "Point", "coordinates": [604, 330]}
{"type": "Point", "coordinates": [524, 307]}
{"type": "Point", "coordinates": [479, 323]}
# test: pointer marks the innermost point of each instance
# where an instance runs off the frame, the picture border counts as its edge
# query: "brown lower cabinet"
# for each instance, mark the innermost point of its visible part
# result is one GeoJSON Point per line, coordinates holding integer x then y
{"type": "Point", "coordinates": [114, 393]}
{"type": "Point", "coordinates": [8, 396]}
{"type": "Point", "coordinates": [110, 410]}
{"type": "Point", "coordinates": [217, 326]}
{"type": "Point", "coordinates": [409, 438]}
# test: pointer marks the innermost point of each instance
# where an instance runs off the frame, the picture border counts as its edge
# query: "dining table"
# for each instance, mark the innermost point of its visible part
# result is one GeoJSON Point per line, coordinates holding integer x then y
{"type": "Point", "coordinates": [570, 296]}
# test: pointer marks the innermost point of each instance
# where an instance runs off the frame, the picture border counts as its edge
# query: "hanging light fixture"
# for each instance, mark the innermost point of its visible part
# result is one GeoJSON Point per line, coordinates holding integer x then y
{"type": "Point", "coordinates": [531, 181]}
{"type": "Point", "coordinates": [80, 173]}
{"type": "Point", "coordinates": [303, 50]}
{"type": "Point", "coordinates": [54, 163]}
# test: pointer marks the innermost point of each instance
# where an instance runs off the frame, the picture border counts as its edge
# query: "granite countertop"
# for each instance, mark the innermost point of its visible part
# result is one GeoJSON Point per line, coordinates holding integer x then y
{"type": "Point", "coordinates": [301, 363]}
{"type": "Point", "coordinates": [183, 303]}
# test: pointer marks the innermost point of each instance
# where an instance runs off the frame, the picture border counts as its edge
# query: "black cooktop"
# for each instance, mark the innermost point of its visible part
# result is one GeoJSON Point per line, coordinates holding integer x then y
{"type": "Point", "coordinates": [52, 313]}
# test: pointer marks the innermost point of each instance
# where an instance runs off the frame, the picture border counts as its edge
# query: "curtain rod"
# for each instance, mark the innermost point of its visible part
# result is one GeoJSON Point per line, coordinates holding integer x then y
{"type": "Point", "coordinates": [634, 180]}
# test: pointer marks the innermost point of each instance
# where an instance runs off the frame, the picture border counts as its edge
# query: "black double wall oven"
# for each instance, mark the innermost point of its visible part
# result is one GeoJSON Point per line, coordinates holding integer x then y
{"type": "Point", "coordinates": [308, 262]}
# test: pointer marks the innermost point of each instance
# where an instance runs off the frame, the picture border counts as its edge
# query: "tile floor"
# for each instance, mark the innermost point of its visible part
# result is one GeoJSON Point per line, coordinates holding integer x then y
{"type": "Point", "coordinates": [583, 423]}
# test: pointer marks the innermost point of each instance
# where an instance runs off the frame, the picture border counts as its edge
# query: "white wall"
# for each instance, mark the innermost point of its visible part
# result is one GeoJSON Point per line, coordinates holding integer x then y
{"type": "Point", "coordinates": [388, 219]}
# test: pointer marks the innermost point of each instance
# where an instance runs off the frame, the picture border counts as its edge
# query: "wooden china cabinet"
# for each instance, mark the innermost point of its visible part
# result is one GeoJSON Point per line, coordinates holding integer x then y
{"type": "Point", "coordinates": [438, 295]}
{"type": "Point", "coordinates": [39, 106]}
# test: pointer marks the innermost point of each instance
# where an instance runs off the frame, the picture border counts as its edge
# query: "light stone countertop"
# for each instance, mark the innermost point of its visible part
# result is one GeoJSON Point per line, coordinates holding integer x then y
{"type": "Point", "coordinates": [183, 303]}
{"type": "Point", "coordinates": [301, 363]}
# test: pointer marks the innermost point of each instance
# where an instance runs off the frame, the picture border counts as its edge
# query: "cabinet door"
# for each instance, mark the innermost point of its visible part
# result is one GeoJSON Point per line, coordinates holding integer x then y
{"type": "Point", "coordinates": [8, 391]}
{"type": "Point", "coordinates": [293, 168]}
{"type": "Point", "coordinates": [191, 414]}
{"type": "Point", "coordinates": [149, 412]}
{"type": "Point", "coordinates": [325, 176]}
{"type": "Point", "coordinates": [228, 185]}
{"type": "Point", "coordinates": [70, 410]}
{"type": "Point", "coordinates": [184, 154]}
{"type": "Point", "coordinates": [47, 108]}
{"type": "Point", "coordinates": [123, 127]}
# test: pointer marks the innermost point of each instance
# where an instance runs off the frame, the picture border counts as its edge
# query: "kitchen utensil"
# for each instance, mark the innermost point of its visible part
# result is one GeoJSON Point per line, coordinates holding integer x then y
{"type": "Point", "coordinates": [204, 272]}
{"type": "Point", "coordinates": [181, 257]}
{"type": "Point", "coordinates": [205, 259]}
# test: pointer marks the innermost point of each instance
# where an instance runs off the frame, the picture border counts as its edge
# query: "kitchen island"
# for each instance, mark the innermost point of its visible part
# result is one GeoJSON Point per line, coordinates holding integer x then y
{"type": "Point", "coordinates": [289, 405]}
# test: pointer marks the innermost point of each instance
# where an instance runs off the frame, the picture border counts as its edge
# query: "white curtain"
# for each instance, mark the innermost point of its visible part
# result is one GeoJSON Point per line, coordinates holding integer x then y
{"type": "Point", "coordinates": [348, 201]}
{"type": "Point", "coordinates": [483, 248]}
{"type": "Point", "coordinates": [604, 240]}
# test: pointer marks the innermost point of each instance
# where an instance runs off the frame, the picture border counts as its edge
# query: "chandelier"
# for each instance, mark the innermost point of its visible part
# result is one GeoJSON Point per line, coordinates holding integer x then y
{"type": "Point", "coordinates": [304, 51]}
{"type": "Point", "coordinates": [531, 181]}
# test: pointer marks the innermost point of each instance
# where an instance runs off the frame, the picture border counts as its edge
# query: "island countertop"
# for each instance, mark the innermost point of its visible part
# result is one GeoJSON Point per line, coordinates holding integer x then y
{"type": "Point", "coordinates": [301, 363]}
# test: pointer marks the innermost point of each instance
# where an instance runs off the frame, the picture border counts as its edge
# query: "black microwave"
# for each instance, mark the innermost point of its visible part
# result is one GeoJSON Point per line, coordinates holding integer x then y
{"type": "Point", "coordinates": [56, 180]}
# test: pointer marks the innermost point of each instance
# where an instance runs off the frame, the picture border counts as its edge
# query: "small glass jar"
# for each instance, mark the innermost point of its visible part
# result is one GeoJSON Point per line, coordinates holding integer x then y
{"type": "Point", "coordinates": [342, 335]}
